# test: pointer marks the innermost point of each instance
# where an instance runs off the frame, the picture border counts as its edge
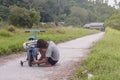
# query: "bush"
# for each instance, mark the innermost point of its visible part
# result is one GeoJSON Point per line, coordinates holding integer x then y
{"type": "Point", "coordinates": [11, 28]}
{"type": "Point", "coordinates": [23, 17]}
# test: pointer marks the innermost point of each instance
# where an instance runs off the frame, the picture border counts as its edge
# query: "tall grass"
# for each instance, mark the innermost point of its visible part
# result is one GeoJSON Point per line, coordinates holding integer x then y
{"type": "Point", "coordinates": [5, 33]}
{"type": "Point", "coordinates": [104, 61]}
{"type": "Point", "coordinates": [12, 41]}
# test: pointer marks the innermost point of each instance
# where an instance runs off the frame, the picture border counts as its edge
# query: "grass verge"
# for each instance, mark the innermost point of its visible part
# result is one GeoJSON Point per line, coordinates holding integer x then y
{"type": "Point", "coordinates": [12, 41]}
{"type": "Point", "coordinates": [104, 60]}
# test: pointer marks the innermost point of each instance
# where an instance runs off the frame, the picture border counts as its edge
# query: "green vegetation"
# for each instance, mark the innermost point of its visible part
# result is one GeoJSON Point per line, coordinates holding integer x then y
{"type": "Point", "coordinates": [4, 33]}
{"type": "Point", "coordinates": [104, 60]}
{"type": "Point", "coordinates": [23, 17]}
{"type": "Point", "coordinates": [12, 41]}
{"type": "Point", "coordinates": [72, 12]}
{"type": "Point", "coordinates": [114, 21]}
{"type": "Point", "coordinates": [11, 28]}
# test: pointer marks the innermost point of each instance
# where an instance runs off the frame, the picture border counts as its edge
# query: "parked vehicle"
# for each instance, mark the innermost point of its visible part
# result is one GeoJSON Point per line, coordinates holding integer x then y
{"type": "Point", "coordinates": [96, 25]}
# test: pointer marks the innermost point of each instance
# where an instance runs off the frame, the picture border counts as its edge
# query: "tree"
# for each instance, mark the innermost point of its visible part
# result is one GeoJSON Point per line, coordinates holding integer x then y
{"type": "Point", "coordinates": [119, 5]}
{"type": "Point", "coordinates": [114, 21]}
{"type": "Point", "coordinates": [116, 2]}
{"type": "Point", "coordinates": [106, 1]}
{"type": "Point", "coordinates": [0, 19]}
{"type": "Point", "coordinates": [5, 4]}
{"type": "Point", "coordinates": [62, 10]}
{"type": "Point", "coordinates": [92, 17]}
{"type": "Point", "coordinates": [80, 14]}
{"type": "Point", "coordinates": [73, 21]}
{"type": "Point", "coordinates": [4, 12]}
{"type": "Point", "coordinates": [23, 17]}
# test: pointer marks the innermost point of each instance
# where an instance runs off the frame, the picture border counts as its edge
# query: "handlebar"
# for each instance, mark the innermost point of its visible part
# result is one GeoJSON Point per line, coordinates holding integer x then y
{"type": "Point", "coordinates": [27, 31]}
{"type": "Point", "coordinates": [34, 37]}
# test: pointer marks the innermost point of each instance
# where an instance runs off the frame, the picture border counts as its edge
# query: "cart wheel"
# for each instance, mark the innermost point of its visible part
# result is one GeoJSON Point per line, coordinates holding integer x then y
{"type": "Point", "coordinates": [21, 63]}
{"type": "Point", "coordinates": [30, 59]}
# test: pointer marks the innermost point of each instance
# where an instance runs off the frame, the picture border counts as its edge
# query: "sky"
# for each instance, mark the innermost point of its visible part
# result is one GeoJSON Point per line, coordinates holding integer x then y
{"type": "Point", "coordinates": [111, 2]}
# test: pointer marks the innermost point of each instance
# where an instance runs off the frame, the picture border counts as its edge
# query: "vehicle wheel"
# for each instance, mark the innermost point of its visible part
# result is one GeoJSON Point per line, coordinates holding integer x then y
{"type": "Point", "coordinates": [21, 63]}
{"type": "Point", "coordinates": [30, 59]}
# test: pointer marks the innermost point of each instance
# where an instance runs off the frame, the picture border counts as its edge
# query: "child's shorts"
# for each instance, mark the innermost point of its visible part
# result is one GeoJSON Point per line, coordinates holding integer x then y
{"type": "Point", "coordinates": [51, 61]}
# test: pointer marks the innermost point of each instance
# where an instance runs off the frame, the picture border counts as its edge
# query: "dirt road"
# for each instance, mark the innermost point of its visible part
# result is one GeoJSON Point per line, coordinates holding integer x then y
{"type": "Point", "coordinates": [71, 53]}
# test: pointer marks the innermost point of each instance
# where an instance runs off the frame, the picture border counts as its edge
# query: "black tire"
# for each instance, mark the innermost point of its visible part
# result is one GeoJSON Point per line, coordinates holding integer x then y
{"type": "Point", "coordinates": [21, 63]}
{"type": "Point", "coordinates": [30, 59]}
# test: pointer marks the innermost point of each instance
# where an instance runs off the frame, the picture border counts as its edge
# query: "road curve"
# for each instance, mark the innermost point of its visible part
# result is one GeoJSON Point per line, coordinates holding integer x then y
{"type": "Point", "coordinates": [71, 52]}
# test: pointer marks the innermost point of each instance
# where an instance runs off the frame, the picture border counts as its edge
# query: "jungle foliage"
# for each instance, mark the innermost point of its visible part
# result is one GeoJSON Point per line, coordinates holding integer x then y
{"type": "Point", "coordinates": [72, 12]}
{"type": "Point", "coordinates": [114, 21]}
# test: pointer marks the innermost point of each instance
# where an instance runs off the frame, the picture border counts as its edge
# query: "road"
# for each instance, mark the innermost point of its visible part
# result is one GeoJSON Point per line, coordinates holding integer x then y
{"type": "Point", "coordinates": [71, 53]}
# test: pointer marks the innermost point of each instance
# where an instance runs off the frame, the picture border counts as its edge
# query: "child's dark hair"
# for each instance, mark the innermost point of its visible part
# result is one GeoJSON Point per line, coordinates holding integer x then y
{"type": "Point", "coordinates": [41, 43]}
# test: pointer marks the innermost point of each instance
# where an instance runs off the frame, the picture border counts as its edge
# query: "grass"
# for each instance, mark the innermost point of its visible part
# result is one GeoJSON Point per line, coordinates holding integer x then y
{"type": "Point", "coordinates": [104, 61]}
{"type": "Point", "coordinates": [12, 41]}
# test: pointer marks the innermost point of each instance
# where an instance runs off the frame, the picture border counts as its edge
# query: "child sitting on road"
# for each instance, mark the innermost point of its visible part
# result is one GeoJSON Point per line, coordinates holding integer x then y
{"type": "Point", "coordinates": [48, 50]}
